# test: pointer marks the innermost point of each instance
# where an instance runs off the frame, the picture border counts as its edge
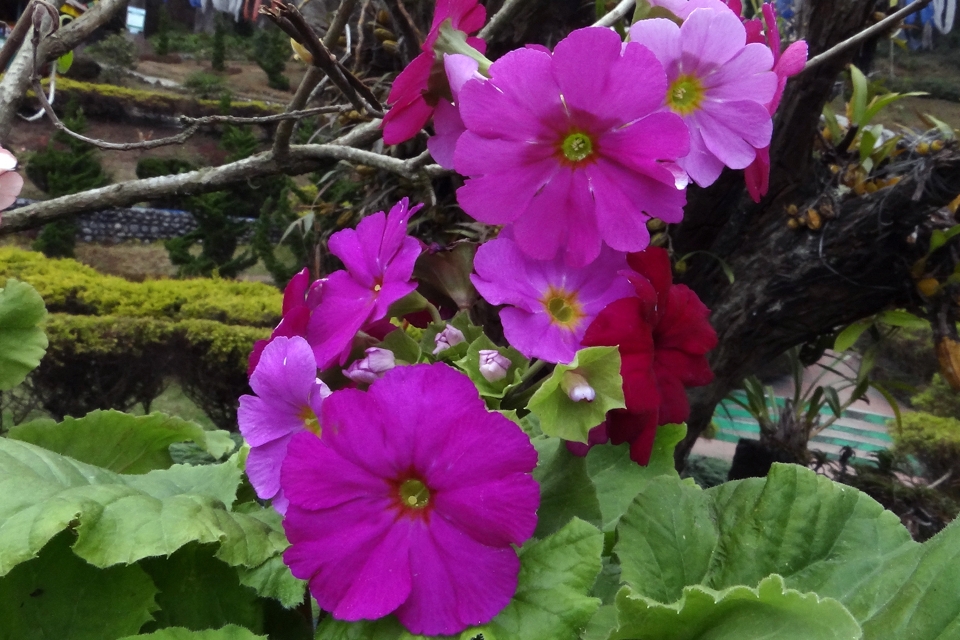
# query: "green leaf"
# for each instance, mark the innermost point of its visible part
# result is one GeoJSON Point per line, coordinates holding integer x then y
{"type": "Point", "coordinates": [618, 479]}
{"type": "Point", "coordinates": [836, 133]}
{"type": "Point", "coordinates": [197, 591]}
{"type": "Point", "coordinates": [273, 579]}
{"type": "Point", "coordinates": [562, 417]}
{"type": "Point", "coordinates": [470, 364]}
{"type": "Point", "coordinates": [229, 632]}
{"type": "Point", "coordinates": [119, 441]}
{"type": "Point", "coordinates": [404, 347]}
{"type": "Point", "coordinates": [881, 102]}
{"type": "Point", "coordinates": [383, 629]}
{"type": "Point", "coordinates": [124, 518]}
{"type": "Point", "coordinates": [868, 139]}
{"type": "Point", "coordinates": [410, 303]}
{"type": "Point", "coordinates": [22, 340]}
{"type": "Point", "coordinates": [905, 319]}
{"type": "Point", "coordinates": [64, 62]}
{"type": "Point", "coordinates": [937, 239]}
{"type": "Point", "coordinates": [551, 602]}
{"type": "Point", "coordinates": [858, 101]}
{"type": "Point", "coordinates": [737, 613]}
{"type": "Point", "coordinates": [58, 595]}
{"type": "Point", "coordinates": [566, 490]}
{"type": "Point", "coordinates": [849, 336]}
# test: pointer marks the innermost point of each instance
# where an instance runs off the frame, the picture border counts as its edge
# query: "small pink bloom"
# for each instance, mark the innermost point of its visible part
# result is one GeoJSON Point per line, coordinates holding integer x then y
{"type": "Point", "coordinates": [449, 337]}
{"type": "Point", "coordinates": [413, 96]}
{"type": "Point", "coordinates": [372, 366]}
{"type": "Point", "coordinates": [549, 304]}
{"type": "Point", "coordinates": [493, 365]}
{"type": "Point", "coordinates": [570, 147]}
{"type": "Point", "coordinates": [719, 84]}
{"type": "Point", "coordinates": [11, 182]}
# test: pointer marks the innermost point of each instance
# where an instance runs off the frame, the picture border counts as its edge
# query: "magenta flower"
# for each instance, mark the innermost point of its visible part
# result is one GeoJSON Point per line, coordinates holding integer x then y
{"type": "Point", "coordinates": [372, 366]}
{"type": "Point", "coordinates": [288, 401]}
{"type": "Point", "coordinates": [569, 148]}
{"type": "Point", "coordinates": [550, 304]}
{"type": "Point", "coordinates": [683, 8]}
{"type": "Point", "coordinates": [379, 256]}
{"type": "Point", "coordinates": [446, 119]}
{"type": "Point", "coordinates": [409, 503]}
{"type": "Point", "coordinates": [300, 298]}
{"type": "Point", "coordinates": [719, 84]}
{"type": "Point", "coordinates": [10, 181]}
{"type": "Point", "coordinates": [413, 96]}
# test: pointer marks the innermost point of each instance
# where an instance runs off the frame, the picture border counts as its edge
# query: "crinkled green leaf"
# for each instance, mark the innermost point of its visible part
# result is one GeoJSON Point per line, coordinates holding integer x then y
{"type": "Point", "coordinates": [272, 579]}
{"type": "Point", "coordinates": [566, 491]}
{"type": "Point", "coordinates": [58, 595]}
{"type": "Point", "coordinates": [22, 340]}
{"type": "Point", "coordinates": [821, 536]}
{"type": "Point", "coordinates": [229, 632]}
{"type": "Point", "coordinates": [618, 478]}
{"type": "Point", "coordinates": [383, 629]}
{"type": "Point", "coordinates": [562, 417]}
{"type": "Point", "coordinates": [119, 441]}
{"type": "Point", "coordinates": [198, 591]}
{"type": "Point", "coordinates": [738, 613]}
{"type": "Point", "coordinates": [123, 518]}
{"type": "Point", "coordinates": [470, 364]}
{"type": "Point", "coordinates": [404, 347]}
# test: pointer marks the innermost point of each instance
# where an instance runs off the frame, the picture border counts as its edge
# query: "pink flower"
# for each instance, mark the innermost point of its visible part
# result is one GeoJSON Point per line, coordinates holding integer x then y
{"type": "Point", "coordinates": [549, 304]}
{"type": "Point", "coordinates": [446, 119]}
{"type": "Point", "coordinates": [287, 401]}
{"type": "Point", "coordinates": [757, 175]}
{"type": "Point", "coordinates": [570, 147]}
{"type": "Point", "coordinates": [719, 84]}
{"type": "Point", "coordinates": [413, 95]}
{"type": "Point", "coordinates": [683, 8]}
{"type": "Point", "coordinates": [409, 503]}
{"type": "Point", "coordinates": [300, 297]}
{"type": "Point", "coordinates": [10, 181]}
{"type": "Point", "coordinates": [372, 366]}
{"type": "Point", "coordinates": [493, 365]}
{"type": "Point", "coordinates": [379, 256]}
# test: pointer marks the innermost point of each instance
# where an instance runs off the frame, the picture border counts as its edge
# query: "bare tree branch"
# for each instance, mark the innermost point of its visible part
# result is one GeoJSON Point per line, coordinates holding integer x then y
{"type": "Point", "coordinates": [617, 13]}
{"type": "Point", "coordinates": [404, 22]}
{"type": "Point", "coordinates": [500, 18]}
{"type": "Point", "coordinates": [17, 36]}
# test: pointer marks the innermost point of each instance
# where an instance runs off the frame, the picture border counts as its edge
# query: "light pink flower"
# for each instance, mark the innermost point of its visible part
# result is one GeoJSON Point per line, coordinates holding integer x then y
{"type": "Point", "coordinates": [719, 84]}
{"type": "Point", "coordinates": [11, 182]}
{"type": "Point", "coordinates": [446, 119]}
{"type": "Point", "coordinates": [570, 147]}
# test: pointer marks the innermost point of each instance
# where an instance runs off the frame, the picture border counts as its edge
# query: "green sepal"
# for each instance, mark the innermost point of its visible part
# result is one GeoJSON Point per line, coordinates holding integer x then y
{"type": "Point", "coordinates": [460, 321]}
{"type": "Point", "coordinates": [562, 417]}
{"type": "Point", "coordinates": [410, 303]}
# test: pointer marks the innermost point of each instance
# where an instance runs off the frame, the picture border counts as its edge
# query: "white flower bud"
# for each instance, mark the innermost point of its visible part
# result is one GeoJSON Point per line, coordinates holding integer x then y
{"type": "Point", "coordinates": [493, 365]}
{"type": "Point", "coordinates": [447, 338]}
{"type": "Point", "coordinates": [371, 368]}
{"type": "Point", "coordinates": [576, 387]}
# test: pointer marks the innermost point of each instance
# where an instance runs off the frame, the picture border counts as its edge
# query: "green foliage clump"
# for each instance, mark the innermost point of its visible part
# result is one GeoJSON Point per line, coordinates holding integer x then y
{"type": "Point", "coordinates": [935, 442]}
{"type": "Point", "coordinates": [218, 234]}
{"type": "Point", "coordinates": [276, 217]}
{"type": "Point", "coordinates": [70, 287]}
{"type": "Point", "coordinates": [218, 56]}
{"type": "Point", "coordinates": [204, 85]}
{"type": "Point", "coordinates": [271, 48]}
{"type": "Point", "coordinates": [938, 399]}
{"type": "Point", "coordinates": [115, 50]}
{"type": "Point", "coordinates": [162, 42]}
{"type": "Point", "coordinates": [64, 167]}
{"type": "Point", "coordinates": [156, 167]}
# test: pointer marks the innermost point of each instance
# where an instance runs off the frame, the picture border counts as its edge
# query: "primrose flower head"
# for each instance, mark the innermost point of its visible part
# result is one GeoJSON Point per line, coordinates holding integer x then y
{"type": "Point", "coordinates": [372, 366]}
{"type": "Point", "coordinates": [409, 503]}
{"type": "Point", "coordinates": [449, 337]}
{"type": "Point", "coordinates": [379, 256]}
{"type": "Point", "coordinates": [493, 365]}
{"type": "Point", "coordinates": [549, 304]}
{"type": "Point", "coordinates": [718, 84]}
{"type": "Point", "coordinates": [287, 401]}
{"type": "Point", "coordinates": [570, 147]}
{"type": "Point", "coordinates": [10, 181]}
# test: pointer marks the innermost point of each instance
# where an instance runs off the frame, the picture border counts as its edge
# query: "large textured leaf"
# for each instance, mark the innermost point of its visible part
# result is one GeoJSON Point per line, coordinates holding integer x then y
{"type": "Point", "coordinates": [119, 441]}
{"type": "Point", "coordinates": [821, 536]}
{"type": "Point", "coordinates": [123, 518]}
{"type": "Point", "coordinates": [58, 595]}
{"type": "Point", "coordinates": [618, 478]}
{"type": "Point", "coordinates": [565, 488]}
{"type": "Point", "coordinates": [22, 340]}
{"type": "Point", "coordinates": [198, 591]}
{"type": "Point", "coordinates": [229, 632]}
{"type": "Point", "coordinates": [551, 602]}
{"type": "Point", "coordinates": [737, 613]}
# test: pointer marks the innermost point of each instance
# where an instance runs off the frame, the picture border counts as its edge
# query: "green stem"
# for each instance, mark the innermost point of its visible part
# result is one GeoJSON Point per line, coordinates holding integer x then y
{"type": "Point", "coordinates": [434, 312]}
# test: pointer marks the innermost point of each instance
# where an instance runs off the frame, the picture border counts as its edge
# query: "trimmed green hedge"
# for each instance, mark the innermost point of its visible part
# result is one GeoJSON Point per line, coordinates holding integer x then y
{"type": "Point", "coordinates": [70, 287]}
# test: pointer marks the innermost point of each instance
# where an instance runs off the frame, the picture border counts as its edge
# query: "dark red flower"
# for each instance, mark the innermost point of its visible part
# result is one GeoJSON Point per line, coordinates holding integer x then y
{"type": "Point", "coordinates": [300, 297]}
{"type": "Point", "coordinates": [664, 336]}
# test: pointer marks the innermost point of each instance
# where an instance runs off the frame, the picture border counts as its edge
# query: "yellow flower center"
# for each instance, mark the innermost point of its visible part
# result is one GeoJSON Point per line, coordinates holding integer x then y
{"type": "Point", "coordinates": [563, 307]}
{"type": "Point", "coordinates": [414, 494]}
{"type": "Point", "coordinates": [310, 421]}
{"type": "Point", "coordinates": [685, 94]}
{"type": "Point", "coordinates": [577, 147]}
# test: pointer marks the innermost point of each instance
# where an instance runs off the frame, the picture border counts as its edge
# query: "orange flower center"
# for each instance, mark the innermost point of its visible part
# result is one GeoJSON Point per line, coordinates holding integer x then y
{"type": "Point", "coordinates": [310, 421]}
{"type": "Point", "coordinates": [563, 307]}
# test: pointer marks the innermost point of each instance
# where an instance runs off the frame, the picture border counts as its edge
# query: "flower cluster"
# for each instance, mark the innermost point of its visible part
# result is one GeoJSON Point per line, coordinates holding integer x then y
{"type": "Point", "coordinates": [404, 491]}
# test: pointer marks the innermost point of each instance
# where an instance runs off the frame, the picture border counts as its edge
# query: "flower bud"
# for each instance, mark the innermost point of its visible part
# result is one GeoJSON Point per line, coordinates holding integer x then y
{"type": "Point", "coordinates": [371, 368]}
{"type": "Point", "coordinates": [493, 365]}
{"type": "Point", "coordinates": [447, 338]}
{"type": "Point", "coordinates": [576, 387]}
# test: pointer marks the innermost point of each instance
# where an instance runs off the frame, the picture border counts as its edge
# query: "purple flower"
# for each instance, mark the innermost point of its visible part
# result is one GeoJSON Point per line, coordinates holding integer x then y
{"type": "Point", "coordinates": [449, 337]}
{"type": "Point", "coordinates": [493, 365]}
{"type": "Point", "coordinates": [300, 298]}
{"type": "Point", "coordinates": [379, 256]}
{"type": "Point", "coordinates": [288, 401]}
{"type": "Point", "coordinates": [550, 305]}
{"type": "Point", "coordinates": [372, 367]}
{"type": "Point", "coordinates": [719, 85]}
{"type": "Point", "coordinates": [570, 147]}
{"type": "Point", "coordinates": [446, 118]}
{"type": "Point", "coordinates": [409, 503]}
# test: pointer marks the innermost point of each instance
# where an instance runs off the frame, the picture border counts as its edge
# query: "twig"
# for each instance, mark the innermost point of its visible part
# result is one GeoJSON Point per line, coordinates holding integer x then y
{"type": "Point", "coordinates": [500, 18]}
{"type": "Point", "coordinates": [866, 34]}
{"type": "Point", "coordinates": [615, 14]}
{"type": "Point", "coordinates": [17, 36]}
{"type": "Point", "coordinates": [359, 48]}
{"type": "Point", "coordinates": [339, 22]}
{"type": "Point", "coordinates": [403, 22]}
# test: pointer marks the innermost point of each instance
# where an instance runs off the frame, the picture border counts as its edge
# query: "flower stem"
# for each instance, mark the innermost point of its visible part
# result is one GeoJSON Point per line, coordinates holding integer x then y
{"type": "Point", "coordinates": [434, 312]}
